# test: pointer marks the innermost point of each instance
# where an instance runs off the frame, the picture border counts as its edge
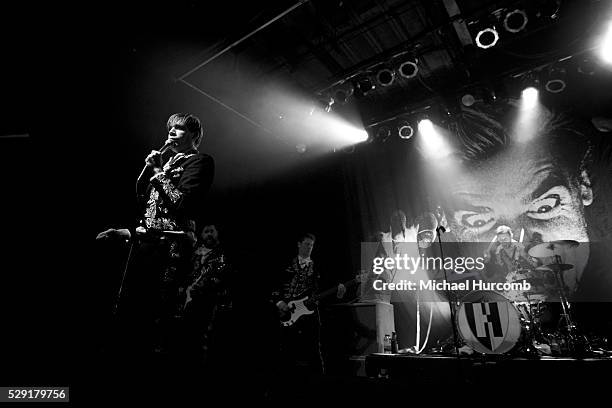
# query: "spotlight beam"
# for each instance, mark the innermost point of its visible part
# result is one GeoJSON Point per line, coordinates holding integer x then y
{"type": "Point", "coordinates": [529, 97]}
{"type": "Point", "coordinates": [606, 47]}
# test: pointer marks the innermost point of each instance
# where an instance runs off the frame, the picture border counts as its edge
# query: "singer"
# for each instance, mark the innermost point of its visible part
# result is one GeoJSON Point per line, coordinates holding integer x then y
{"type": "Point", "coordinates": [170, 199]}
{"type": "Point", "coordinates": [174, 192]}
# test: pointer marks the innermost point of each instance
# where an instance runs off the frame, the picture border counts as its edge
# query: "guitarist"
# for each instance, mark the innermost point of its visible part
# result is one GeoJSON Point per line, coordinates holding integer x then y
{"type": "Point", "coordinates": [300, 343]}
{"type": "Point", "coordinates": [207, 301]}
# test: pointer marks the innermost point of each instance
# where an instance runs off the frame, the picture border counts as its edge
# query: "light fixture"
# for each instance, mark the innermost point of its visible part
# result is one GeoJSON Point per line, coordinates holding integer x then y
{"type": "Point", "coordinates": [426, 127]}
{"type": "Point", "coordinates": [327, 104]}
{"type": "Point", "coordinates": [409, 69]}
{"type": "Point", "coordinates": [404, 130]}
{"type": "Point", "coordinates": [549, 8]}
{"type": "Point", "coordinates": [343, 92]}
{"type": "Point", "coordinates": [385, 77]}
{"type": "Point", "coordinates": [382, 134]}
{"type": "Point", "coordinates": [586, 67]}
{"type": "Point", "coordinates": [480, 94]}
{"type": "Point", "coordinates": [515, 21]}
{"type": "Point", "coordinates": [529, 97]}
{"type": "Point", "coordinates": [321, 103]}
{"type": "Point", "coordinates": [554, 81]}
{"type": "Point", "coordinates": [468, 100]}
{"type": "Point", "coordinates": [364, 85]}
{"type": "Point", "coordinates": [487, 38]}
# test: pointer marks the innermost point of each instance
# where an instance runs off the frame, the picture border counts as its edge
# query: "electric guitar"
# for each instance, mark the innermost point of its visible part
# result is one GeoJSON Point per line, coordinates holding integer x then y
{"type": "Point", "coordinates": [306, 306]}
{"type": "Point", "coordinates": [205, 274]}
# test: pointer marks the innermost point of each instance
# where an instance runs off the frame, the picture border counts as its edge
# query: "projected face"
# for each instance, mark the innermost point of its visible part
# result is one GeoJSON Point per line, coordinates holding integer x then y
{"type": "Point", "coordinates": [523, 189]}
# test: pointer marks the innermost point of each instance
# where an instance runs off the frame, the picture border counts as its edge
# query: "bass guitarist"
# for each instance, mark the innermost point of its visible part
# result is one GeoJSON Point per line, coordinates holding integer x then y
{"type": "Point", "coordinates": [300, 343]}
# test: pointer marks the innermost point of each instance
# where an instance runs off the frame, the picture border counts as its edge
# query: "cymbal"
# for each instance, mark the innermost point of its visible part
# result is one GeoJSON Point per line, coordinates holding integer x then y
{"type": "Point", "coordinates": [526, 296]}
{"type": "Point", "coordinates": [554, 267]}
{"type": "Point", "coordinates": [535, 282]}
{"type": "Point", "coordinates": [552, 248]}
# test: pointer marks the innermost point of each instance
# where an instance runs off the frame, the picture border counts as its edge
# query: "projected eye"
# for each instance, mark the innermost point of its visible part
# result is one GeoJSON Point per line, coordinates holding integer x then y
{"type": "Point", "coordinates": [549, 204]}
{"type": "Point", "coordinates": [481, 221]}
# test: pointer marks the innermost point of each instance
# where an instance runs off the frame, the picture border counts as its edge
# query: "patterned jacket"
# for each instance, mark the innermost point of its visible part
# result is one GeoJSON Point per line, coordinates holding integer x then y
{"type": "Point", "coordinates": [173, 198]}
{"type": "Point", "coordinates": [297, 281]}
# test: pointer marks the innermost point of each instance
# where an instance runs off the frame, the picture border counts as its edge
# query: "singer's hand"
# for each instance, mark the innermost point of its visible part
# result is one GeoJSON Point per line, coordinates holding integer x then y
{"type": "Point", "coordinates": [154, 159]}
{"type": "Point", "coordinates": [113, 233]}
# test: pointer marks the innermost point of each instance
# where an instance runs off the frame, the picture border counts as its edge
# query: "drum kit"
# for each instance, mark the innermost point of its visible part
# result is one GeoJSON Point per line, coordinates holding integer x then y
{"type": "Point", "coordinates": [494, 323]}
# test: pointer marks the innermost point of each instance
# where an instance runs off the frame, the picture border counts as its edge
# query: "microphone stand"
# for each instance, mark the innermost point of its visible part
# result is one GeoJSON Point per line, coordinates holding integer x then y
{"type": "Point", "coordinates": [439, 230]}
{"type": "Point", "coordinates": [167, 145]}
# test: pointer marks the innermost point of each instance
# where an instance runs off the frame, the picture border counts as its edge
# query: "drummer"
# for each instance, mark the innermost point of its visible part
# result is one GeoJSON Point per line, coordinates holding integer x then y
{"type": "Point", "coordinates": [507, 253]}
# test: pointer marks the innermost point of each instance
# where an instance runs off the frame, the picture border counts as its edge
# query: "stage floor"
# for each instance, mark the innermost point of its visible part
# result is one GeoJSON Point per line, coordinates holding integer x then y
{"type": "Point", "coordinates": [489, 369]}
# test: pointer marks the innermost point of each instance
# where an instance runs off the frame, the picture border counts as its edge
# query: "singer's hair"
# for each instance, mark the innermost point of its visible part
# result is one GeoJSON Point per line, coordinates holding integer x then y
{"type": "Point", "coordinates": [190, 122]}
{"type": "Point", "coordinates": [305, 235]}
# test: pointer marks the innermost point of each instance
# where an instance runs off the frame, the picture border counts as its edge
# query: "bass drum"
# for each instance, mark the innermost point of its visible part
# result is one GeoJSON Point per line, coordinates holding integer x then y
{"type": "Point", "coordinates": [488, 322]}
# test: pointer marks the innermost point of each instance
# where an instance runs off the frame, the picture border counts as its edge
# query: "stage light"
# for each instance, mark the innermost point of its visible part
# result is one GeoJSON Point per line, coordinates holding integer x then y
{"type": "Point", "coordinates": [359, 135]}
{"type": "Point", "coordinates": [342, 93]}
{"type": "Point", "coordinates": [488, 95]}
{"type": "Point", "coordinates": [385, 77]}
{"type": "Point", "coordinates": [364, 85]}
{"type": "Point", "coordinates": [328, 105]}
{"type": "Point", "coordinates": [322, 103]}
{"type": "Point", "coordinates": [526, 124]}
{"type": "Point", "coordinates": [426, 127]}
{"type": "Point", "coordinates": [529, 97]}
{"type": "Point", "coordinates": [468, 100]}
{"type": "Point", "coordinates": [586, 67]}
{"type": "Point", "coordinates": [382, 134]}
{"type": "Point", "coordinates": [404, 130]}
{"type": "Point", "coordinates": [487, 38]}
{"type": "Point", "coordinates": [606, 46]}
{"type": "Point", "coordinates": [432, 143]}
{"type": "Point", "coordinates": [515, 21]}
{"type": "Point", "coordinates": [550, 8]}
{"type": "Point", "coordinates": [555, 82]}
{"type": "Point", "coordinates": [343, 132]}
{"type": "Point", "coordinates": [409, 69]}
{"type": "Point", "coordinates": [300, 148]}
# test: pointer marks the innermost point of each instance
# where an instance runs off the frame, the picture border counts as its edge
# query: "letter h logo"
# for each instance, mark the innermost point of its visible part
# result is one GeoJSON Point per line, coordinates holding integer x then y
{"type": "Point", "coordinates": [485, 320]}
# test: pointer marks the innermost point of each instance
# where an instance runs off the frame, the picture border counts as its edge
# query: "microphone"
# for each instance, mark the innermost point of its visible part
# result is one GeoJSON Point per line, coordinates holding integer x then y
{"type": "Point", "coordinates": [169, 143]}
{"type": "Point", "coordinates": [427, 222]}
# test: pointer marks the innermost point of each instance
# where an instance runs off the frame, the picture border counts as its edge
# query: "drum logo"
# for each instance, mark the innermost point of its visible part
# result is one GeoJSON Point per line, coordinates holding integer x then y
{"type": "Point", "coordinates": [488, 323]}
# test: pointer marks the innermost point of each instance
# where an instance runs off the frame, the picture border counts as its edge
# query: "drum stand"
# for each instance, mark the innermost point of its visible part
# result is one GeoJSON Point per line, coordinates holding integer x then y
{"type": "Point", "coordinates": [531, 331]}
{"type": "Point", "coordinates": [576, 342]}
